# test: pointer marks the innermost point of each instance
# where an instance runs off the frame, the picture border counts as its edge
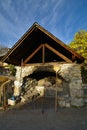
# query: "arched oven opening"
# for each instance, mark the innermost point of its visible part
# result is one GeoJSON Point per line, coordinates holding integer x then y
{"type": "Point", "coordinates": [44, 80]}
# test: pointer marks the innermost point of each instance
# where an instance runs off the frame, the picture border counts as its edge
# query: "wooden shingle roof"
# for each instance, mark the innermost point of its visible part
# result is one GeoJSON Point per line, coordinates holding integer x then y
{"type": "Point", "coordinates": [38, 45]}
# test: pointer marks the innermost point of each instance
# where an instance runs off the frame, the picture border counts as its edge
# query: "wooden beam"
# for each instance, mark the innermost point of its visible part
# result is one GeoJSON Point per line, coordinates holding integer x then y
{"type": "Point", "coordinates": [60, 42]}
{"type": "Point", "coordinates": [58, 53]}
{"type": "Point", "coordinates": [46, 64]}
{"type": "Point", "coordinates": [30, 56]}
{"type": "Point", "coordinates": [43, 54]}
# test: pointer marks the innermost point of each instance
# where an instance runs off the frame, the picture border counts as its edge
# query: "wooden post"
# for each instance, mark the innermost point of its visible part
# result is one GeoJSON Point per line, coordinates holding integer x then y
{"type": "Point", "coordinates": [21, 69]}
{"type": "Point", "coordinates": [4, 97]}
{"type": "Point", "coordinates": [57, 69]}
{"type": "Point", "coordinates": [4, 93]}
{"type": "Point", "coordinates": [43, 54]}
{"type": "Point", "coordinates": [56, 95]}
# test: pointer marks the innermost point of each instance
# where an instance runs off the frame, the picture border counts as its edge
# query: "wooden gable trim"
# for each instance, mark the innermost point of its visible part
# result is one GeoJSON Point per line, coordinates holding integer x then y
{"type": "Point", "coordinates": [18, 43]}
{"type": "Point", "coordinates": [57, 53]}
{"type": "Point", "coordinates": [30, 56]}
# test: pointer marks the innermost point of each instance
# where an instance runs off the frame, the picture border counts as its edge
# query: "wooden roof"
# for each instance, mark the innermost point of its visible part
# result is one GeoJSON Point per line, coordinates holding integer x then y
{"type": "Point", "coordinates": [38, 45]}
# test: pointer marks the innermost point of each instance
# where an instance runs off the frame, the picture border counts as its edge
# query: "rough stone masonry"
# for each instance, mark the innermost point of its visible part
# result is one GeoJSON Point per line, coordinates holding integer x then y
{"type": "Point", "coordinates": [69, 88]}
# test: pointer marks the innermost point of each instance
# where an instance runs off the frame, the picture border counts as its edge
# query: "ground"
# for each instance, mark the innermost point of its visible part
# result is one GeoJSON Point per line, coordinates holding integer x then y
{"type": "Point", "coordinates": [34, 118]}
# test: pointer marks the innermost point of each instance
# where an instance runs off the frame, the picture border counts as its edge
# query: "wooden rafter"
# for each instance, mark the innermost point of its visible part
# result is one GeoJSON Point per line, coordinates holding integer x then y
{"type": "Point", "coordinates": [43, 53]}
{"type": "Point", "coordinates": [59, 42]}
{"type": "Point", "coordinates": [58, 53]}
{"type": "Point", "coordinates": [30, 56]}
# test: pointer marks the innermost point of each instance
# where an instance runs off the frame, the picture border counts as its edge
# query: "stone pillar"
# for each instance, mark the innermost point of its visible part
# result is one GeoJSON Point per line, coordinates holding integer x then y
{"type": "Point", "coordinates": [21, 72]}
{"type": "Point", "coordinates": [72, 74]}
{"type": "Point", "coordinates": [75, 86]}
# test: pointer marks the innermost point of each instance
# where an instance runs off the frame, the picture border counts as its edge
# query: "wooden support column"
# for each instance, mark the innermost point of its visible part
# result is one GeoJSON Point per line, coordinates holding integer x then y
{"type": "Point", "coordinates": [21, 69]}
{"type": "Point", "coordinates": [43, 54]}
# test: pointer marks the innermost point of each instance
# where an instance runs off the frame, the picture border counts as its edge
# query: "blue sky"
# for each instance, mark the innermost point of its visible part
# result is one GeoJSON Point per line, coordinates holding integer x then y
{"type": "Point", "coordinates": [63, 18]}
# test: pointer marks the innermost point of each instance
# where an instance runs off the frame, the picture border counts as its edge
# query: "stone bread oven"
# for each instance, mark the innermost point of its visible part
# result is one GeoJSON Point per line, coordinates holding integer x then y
{"type": "Point", "coordinates": [69, 82]}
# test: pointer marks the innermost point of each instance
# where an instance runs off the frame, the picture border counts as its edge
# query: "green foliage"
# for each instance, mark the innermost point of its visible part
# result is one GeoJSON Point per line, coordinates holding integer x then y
{"type": "Point", "coordinates": [12, 69]}
{"type": "Point", "coordinates": [79, 43]}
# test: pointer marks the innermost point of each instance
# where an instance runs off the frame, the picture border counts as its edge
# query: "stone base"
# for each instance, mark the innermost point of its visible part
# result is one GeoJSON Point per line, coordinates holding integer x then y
{"type": "Point", "coordinates": [77, 102]}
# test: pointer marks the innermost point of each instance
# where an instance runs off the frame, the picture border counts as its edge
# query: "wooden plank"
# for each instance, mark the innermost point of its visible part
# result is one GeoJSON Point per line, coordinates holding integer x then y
{"type": "Point", "coordinates": [46, 64]}
{"type": "Point", "coordinates": [30, 56]}
{"type": "Point", "coordinates": [43, 54]}
{"type": "Point", "coordinates": [58, 53]}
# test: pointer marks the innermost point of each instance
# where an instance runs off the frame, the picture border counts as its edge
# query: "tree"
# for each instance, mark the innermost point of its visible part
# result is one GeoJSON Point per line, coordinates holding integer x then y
{"type": "Point", "coordinates": [79, 43]}
{"type": "Point", "coordinates": [3, 51]}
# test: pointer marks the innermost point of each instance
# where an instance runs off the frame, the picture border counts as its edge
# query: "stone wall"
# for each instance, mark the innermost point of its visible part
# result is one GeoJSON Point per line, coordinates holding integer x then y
{"type": "Point", "coordinates": [21, 72]}
{"type": "Point", "coordinates": [69, 85]}
{"type": "Point", "coordinates": [72, 74]}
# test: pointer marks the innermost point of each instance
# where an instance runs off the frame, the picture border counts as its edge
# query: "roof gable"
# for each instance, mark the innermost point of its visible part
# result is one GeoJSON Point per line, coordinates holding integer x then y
{"type": "Point", "coordinates": [38, 45]}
